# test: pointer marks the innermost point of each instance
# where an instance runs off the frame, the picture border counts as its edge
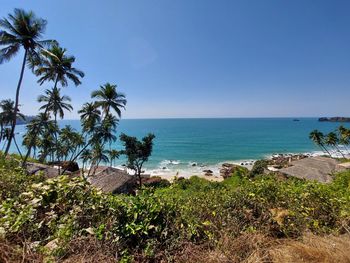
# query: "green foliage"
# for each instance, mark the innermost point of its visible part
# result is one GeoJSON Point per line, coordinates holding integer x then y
{"type": "Point", "coordinates": [161, 219]}
{"type": "Point", "coordinates": [258, 168]}
{"type": "Point", "coordinates": [137, 152]}
{"type": "Point", "coordinates": [13, 179]}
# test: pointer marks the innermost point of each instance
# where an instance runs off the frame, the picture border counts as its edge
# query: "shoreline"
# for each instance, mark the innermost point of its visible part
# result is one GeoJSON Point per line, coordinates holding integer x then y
{"type": "Point", "coordinates": [170, 169]}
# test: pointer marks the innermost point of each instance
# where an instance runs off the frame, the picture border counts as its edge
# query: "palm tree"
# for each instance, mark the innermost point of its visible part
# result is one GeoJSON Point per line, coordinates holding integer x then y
{"type": "Point", "coordinates": [344, 137]}
{"type": "Point", "coordinates": [7, 110]}
{"type": "Point", "coordinates": [98, 154]}
{"type": "Point", "coordinates": [38, 127]}
{"type": "Point", "coordinates": [318, 138]}
{"type": "Point", "coordinates": [55, 103]}
{"type": "Point", "coordinates": [85, 156]}
{"type": "Point", "coordinates": [331, 139]}
{"type": "Point", "coordinates": [108, 98]}
{"type": "Point", "coordinates": [108, 127]}
{"type": "Point", "coordinates": [113, 155]}
{"type": "Point", "coordinates": [20, 30]}
{"type": "Point", "coordinates": [90, 115]}
{"type": "Point", "coordinates": [56, 66]}
{"type": "Point", "coordinates": [6, 134]}
{"type": "Point", "coordinates": [31, 135]}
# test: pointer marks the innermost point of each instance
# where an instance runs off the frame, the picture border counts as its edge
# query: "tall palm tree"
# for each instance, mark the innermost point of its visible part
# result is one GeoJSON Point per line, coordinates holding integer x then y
{"type": "Point", "coordinates": [109, 98]}
{"type": "Point", "coordinates": [90, 115]}
{"type": "Point", "coordinates": [7, 110]}
{"type": "Point", "coordinates": [55, 103]}
{"type": "Point", "coordinates": [31, 135]}
{"type": "Point", "coordinates": [85, 156]}
{"type": "Point", "coordinates": [318, 138]}
{"type": "Point", "coordinates": [20, 30]}
{"type": "Point", "coordinates": [331, 139]}
{"type": "Point", "coordinates": [38, 125]}
{"type": "Point", "coordinates": [98, 154]}
{"type": "Point", "coordinates": [344, 137]}
{"type": "Point", "coordinates": [55, 65]}
{"type": "Point", "coordinates": [107, 129]}
{"type": "Point", "coordinates": [113, 155]}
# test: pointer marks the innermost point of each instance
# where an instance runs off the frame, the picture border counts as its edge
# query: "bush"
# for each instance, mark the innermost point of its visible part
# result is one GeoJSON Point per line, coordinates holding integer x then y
{"type": "Point", "coordinates": [258, 168]}
{"type": "Point", "coordinates": [158, 221]}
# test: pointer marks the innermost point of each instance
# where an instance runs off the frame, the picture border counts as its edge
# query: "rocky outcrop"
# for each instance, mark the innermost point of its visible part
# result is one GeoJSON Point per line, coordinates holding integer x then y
{"type": "Point", "coordinates": [283, 160]}
{"type": "Point", "coordinates": [155, 181]}
{"type": "Point", "coordinates": [70, 166]}
{"type": "Point", "coordinates": [335, 119]}
{"type": "Point", "coordinates": [208, 172]}
{"type": "Point", "coordinates": [228, 169]}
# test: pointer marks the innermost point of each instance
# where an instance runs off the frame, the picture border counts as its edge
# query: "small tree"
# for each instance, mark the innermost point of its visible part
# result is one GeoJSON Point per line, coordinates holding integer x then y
{"type": "Point", "coordinates": [137, 152]}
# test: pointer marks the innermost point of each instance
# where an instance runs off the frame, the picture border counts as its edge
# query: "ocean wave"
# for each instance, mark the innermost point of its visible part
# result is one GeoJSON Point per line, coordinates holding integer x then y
{"type": "Point", "coordinates": [171, 162]}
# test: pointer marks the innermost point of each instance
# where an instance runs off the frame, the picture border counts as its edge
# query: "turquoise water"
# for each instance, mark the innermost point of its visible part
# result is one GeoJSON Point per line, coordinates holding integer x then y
{"type": "Point", "coordinates": [211, 141]}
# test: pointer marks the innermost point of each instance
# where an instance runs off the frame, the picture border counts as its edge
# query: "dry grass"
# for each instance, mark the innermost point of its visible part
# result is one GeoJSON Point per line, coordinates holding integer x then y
{"type": "Point", "coordinates": [10, 253]}
{"type": "Point", "coordinates": [313, 249]}
{"type": "Point", "coordinates": [247, 248]}
{"type": "Point", "coordinates": [253, 248]}
{"type": "Point", "coordinates": [89, 250]}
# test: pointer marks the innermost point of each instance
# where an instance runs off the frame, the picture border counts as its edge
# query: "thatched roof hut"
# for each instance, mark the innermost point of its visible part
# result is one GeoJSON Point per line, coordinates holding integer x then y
{"type": "Point", "coordinates": [314, 168]}
{"type": "Point", "coordinates": [112, 180]}
{"type": "Point", "coordinates": [47, 170]}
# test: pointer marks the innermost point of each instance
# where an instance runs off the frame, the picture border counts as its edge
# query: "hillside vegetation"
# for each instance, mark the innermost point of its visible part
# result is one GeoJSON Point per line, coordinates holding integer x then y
{"type": "Point", "coordinates": [241, 219]}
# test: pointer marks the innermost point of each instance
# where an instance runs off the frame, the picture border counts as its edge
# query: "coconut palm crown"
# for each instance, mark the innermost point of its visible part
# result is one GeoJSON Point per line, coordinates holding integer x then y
{"type": "Point", "coordinates": [55, 103]}
{"type": "Point", "coordinates": [55, 65]}
{"type": "Point", "coordinates": [109, 98]}
{"type": "Point", "coordinates": [21, 30]}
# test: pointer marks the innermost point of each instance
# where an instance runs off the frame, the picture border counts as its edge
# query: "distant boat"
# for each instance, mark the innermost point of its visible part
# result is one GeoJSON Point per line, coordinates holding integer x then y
{"type": "Point", "coordinates": [296, 120]}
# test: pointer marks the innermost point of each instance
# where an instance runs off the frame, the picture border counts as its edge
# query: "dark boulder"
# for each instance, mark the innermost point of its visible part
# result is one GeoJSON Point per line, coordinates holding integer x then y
{"type": "Point", "coordinates": [70, 166]}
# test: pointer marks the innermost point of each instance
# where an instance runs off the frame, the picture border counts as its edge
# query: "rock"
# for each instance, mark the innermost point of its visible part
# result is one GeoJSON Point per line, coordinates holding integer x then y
{"type": "Point", "coordinates": [228, 165]}
{"type": "Point", "coordinates": [155, 181]}
{"type": "Point", "coordinates": [335, 119]}
{"type": "Point", "coordinates": [70, 166]}
{"type": "Point", "coordinates": [228, 169]}
{"type": "Point", "coordinates": [208, 171]}
{"type": "Point", "coordinates": [181, 178]}
{"type": "Point", "coordinates": [52, 245]}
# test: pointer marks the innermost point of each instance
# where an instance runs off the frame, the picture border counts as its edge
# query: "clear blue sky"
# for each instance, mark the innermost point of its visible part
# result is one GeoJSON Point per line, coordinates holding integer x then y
{"type": "Point", "coordinates": [194, 58]}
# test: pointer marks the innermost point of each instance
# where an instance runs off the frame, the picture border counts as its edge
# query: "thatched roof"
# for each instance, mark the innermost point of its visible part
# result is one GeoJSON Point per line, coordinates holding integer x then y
{"type": "Point", "coordinates": [112, 180]}
{"type": "Point", "coordinates": [345, 165]}
{"type": "Point", "coordinates": [47, 170]}
{"type": "Point", "coordinates": [314, 168]}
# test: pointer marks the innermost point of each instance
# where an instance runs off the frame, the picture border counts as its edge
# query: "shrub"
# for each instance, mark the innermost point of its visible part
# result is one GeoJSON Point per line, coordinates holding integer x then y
{"type": "Point", "coordinates": [160, 220]}
{"type": "Point", "coordinates": [258, 168]}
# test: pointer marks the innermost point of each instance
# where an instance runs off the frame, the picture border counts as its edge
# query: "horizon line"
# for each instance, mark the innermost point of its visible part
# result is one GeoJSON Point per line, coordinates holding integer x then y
{"type": "Point", "coordinates": [169, 118]}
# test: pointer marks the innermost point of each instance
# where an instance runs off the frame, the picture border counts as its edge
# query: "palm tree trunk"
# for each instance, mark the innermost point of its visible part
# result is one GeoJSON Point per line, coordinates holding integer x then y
{"type": "Point", "coordinates": [19, 151]}
{"type": "Point", "coordinates": [324, 147]}
{"type": "Point", "coordinates": [56, 143]}
{"type": "Point", "coordinates": [14, 117]}
{"type": "Point", "coordinates": [76, 156]}
{"type": "Point", "coordinates": [339, 151]}
{"type": "Point", "coordinates": [1, 131]}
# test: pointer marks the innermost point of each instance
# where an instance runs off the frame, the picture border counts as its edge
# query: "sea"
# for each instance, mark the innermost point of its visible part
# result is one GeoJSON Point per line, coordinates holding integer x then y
{"type": "Point", "coordinates": [185, 147]}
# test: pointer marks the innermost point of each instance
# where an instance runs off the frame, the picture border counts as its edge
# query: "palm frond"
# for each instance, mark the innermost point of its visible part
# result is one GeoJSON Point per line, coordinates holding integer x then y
{"type": "Point", "coordinates": [8, 52]}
